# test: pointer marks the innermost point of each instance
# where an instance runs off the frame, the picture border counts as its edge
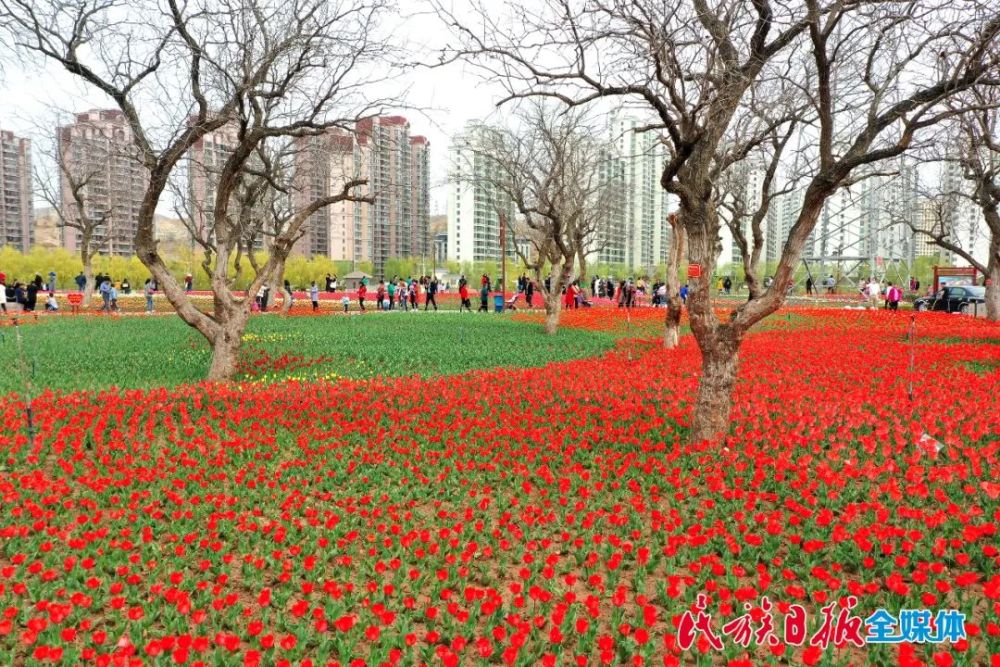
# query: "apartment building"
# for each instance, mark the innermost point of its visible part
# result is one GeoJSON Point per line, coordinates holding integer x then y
{"type": "Point", "coordinates": [97, 147]}
{"type": "Point", "coordinates": [16, 208]}
{"type": "Point", "coordinates": [205, 161]}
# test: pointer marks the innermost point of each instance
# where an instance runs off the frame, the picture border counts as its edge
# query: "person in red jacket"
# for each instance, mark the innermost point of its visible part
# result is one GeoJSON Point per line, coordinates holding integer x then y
{"type": "Point", "coordinates": [362, 292]}
{"type": "Point", "coordinates": [463, 293]}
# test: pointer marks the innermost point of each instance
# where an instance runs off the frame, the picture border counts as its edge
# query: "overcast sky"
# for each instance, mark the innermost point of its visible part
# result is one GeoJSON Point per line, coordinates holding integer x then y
{"type": "Point", "coordinates": [438, 101]}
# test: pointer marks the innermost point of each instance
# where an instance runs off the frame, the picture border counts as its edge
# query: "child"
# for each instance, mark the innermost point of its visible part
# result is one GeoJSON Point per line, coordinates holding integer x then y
{"type": "Point", "coordinates": [50, 303]}
{"type": "Point", "coordinates": [346, 301]}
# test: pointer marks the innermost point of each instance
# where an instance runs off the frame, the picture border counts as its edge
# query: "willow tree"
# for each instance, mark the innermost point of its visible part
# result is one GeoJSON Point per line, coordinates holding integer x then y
{"type": "Point", "coordinates": [265, 71]}
{"type": "Point", "coordinates": [870, 78]}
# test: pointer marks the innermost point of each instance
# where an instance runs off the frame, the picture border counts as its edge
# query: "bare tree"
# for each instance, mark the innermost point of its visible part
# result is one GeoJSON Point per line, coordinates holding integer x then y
{"type": "Point", "coordinates": [66, 190]}
{"type": "Point", "coordinates": [869, 76]}
{"type": "Point", "coordinates": [550, 171]}
{"type": "Point", "coordinates": [271, 69]}
{"type": "Point", "coordinates": [980, 161]}
{"type": "Point", "coordinates": [939, 220]}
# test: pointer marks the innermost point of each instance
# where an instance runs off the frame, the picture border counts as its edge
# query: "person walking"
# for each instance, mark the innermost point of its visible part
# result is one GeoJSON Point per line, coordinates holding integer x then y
{"type": "Point", "coordinates": [81, 282]}
{"type": "Point", "coordinates": [893, 296]}
{"type": "Point", "coordinates": [873, 291]}
{"type": "Point", "coordinates": [362, 293]}
{"type": "Point", "coordinates": [314, 295]}
{"type": "Point", "coordinates": [463, 294]}
{"type": "Point", "coordinates": [529, 291]}
{"type": "Point", "coordinates": [432, 289]}
{"type": "Point", "coordinates": [3, 292]}
{"type": "Point", "coordinates": [148, 290]}
{"type": "Point", "coordinates": [381, 303]}
{"type": "Point", "coordinates": [413, 295]}
{"type": "Point", "coordinates": [684, 294]}
{"type": "Point", "coordinates": [809, 286]}
{"type": "Point", "coordinates": [401, 295]}
{"type": "Point", "coordinates": [484, 297]}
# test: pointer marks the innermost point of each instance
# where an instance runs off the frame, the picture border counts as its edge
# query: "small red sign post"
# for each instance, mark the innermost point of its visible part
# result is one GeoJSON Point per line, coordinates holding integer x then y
{"type": "Point", "coordinates": [75, 299]}
{"type": "Point", "coordinates": [694, 270]}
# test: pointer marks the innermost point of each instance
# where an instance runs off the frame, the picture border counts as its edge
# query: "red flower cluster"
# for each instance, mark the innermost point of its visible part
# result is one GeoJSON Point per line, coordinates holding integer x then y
{"type": "Point", "coordinates": [530, 516]}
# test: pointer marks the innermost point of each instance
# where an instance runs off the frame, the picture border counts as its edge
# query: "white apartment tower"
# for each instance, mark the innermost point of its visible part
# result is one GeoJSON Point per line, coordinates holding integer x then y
{"type": "Point", "coordinates": [474, 204]}
{"type": "Point", "coordinates": [644, 201]}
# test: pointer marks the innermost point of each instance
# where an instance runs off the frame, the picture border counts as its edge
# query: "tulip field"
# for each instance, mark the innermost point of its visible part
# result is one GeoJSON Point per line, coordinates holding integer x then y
{"type": "Point", "coordinates": [393, 489]}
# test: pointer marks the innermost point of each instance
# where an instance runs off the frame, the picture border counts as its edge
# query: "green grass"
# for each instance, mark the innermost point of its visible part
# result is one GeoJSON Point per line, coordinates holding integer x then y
{"type": "Point", "coordinates": [66, 353]}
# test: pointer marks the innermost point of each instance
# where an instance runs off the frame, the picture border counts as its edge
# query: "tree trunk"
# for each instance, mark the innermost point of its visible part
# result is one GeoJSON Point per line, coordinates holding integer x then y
{"type": "Point", "coordinates": [88, 273]}
{"type": "Point", "coordinates": [552, 307]}
{"type": "Point", "coordinates": [719, 361]}
{"type": "Point", "coordinates": [583, 269]}
{"type": "Point", "coordinates": [993, 278]}
{"type": "Point", "coordinates": [226, 346]}
{"type": "Point", "coordinates": [678, 248]}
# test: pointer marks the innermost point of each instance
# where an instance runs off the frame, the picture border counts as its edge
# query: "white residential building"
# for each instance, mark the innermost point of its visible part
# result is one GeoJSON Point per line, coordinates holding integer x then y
{"type": "Point", "coordinates": [645, 203]}
{"type": "Point", "coordinates": [474, 204]}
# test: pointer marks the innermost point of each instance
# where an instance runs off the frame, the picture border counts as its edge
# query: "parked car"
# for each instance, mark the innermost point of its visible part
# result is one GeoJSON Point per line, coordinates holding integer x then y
{"type": "Point", "coordinates": [961, 299]}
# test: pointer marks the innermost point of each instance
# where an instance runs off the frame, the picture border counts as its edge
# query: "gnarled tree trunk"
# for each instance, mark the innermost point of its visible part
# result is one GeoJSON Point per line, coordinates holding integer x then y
{"type": "Point", "coordinates": [719, 364]}
{"type": "Point", "coordinates": [226, 346]}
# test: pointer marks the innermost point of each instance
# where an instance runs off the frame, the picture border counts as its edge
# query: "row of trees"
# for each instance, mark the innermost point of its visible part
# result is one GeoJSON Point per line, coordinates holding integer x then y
{"type": "Point", "coordinates": [856, 83]}
{"type": "Point", "coordinates": [863, 82]}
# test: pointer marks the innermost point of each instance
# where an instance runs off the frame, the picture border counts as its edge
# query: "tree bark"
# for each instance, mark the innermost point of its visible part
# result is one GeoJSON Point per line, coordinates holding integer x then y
{"type": "Point", "coordinates": [88, 274]}
{"type": "Point", "coordinates": [552, 309]}
{"type": "Point", "coordinates": [678, 248]}
{"type": "Point", "coordinates": [719, 363]}
{"type": "Point", "coordinates": [993, 278]}
{"type": "Point", "coordinates": [225, 350]}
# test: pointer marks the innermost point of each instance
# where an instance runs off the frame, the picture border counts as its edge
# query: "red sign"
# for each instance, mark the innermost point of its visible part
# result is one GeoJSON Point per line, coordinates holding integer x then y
{"type": "Point", "coordinates": [75, 299]}
{"type": "Point", "coordinates": [694, 270]}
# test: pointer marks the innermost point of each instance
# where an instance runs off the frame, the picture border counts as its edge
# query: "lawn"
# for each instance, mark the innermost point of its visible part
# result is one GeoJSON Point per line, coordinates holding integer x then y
{"type": "Point", "coordinates": [76, 353]}
{"type": "Point", "coordinates": [511, 516]}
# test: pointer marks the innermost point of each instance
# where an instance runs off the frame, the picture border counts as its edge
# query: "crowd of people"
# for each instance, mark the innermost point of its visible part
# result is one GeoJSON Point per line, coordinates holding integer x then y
{"type": "Point", "coordinates": [410, 293]}
{"type": "Point", "coordinates": [26, 295]}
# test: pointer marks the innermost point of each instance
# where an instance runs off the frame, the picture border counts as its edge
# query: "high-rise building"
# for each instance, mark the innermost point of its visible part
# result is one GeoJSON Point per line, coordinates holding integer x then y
{"type": "Point", "coordinates": [420, 193]}
{"type": "Point", "coordinates": [474, 203]}
{"type": "Point", "coordinates": [397, 169]}
{"type": "Point", "coordinates": [961, 218]}
{"type": "Point", "coordinates": [645, 202]}
{"type": "Point", "coordinates": [612, 233]}
{"type": "Point", "coordinates": [16, 209]}
{"type": "Point", "coordinates": [98, 148]}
